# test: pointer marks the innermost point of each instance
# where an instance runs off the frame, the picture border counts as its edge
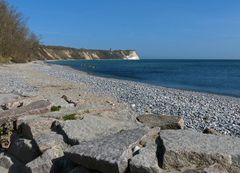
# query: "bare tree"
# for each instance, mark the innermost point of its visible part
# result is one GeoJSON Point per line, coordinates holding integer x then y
{"type": "Point", "coordinates": [16, 41]}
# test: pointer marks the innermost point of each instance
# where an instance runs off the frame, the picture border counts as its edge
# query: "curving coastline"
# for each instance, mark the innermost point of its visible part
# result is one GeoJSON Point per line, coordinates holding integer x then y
{"type": "Point", "coordinates": [200, 110]}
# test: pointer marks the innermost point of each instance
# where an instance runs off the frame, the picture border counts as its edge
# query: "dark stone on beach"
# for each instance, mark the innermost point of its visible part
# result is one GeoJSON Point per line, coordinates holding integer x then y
{"type": "Point", "coordinates": [210, 131]}
{"type": "Point", "coordinates": [162, 121]}
{"type": "Point", "coordinates": [109, 154]}
{"type": "Point", "coordinates": [188, 148]}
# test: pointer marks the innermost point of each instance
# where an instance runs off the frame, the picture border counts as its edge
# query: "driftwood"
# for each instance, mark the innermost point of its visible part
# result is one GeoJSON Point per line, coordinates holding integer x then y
{"type": "Point", "coordinates": [69, 101]}
{"type": "Point", "coordinates": [38, 107]}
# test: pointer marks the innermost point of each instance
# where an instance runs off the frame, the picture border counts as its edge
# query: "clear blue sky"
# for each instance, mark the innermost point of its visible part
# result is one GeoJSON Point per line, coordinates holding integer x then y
{"type": "Point", "coordinates": [155, 28]}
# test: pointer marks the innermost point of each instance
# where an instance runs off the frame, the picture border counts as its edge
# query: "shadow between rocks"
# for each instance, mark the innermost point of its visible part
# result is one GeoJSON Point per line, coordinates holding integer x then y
{"type": "Point", "coordinates": [160, 151]}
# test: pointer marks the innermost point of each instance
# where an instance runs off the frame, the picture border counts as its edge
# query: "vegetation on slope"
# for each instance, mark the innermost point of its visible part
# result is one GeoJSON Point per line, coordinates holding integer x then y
{"type": "Point", "coordinates": [17, 43]}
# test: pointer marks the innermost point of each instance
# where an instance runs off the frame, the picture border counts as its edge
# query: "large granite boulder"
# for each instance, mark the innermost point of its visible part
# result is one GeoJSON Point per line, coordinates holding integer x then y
{"type": "Point", "coordinates": [32, 126]}
{"type": "Point", "coordinates": [91, 127]}
{"type": "Point", "coordinates": [187, 148]}
{"type": "Point", "coordinates": [44, 163]}
{"type": "Point", "coordinates": [162, 121]}
{"type": "Point", "coordinates": [38, 107]}
{"type": "Point", "coordinates": [50, 140]}
{"type": "Point", "coordinates": [146, 160]}
{"type": "Point", "coordinates": [108, 154]}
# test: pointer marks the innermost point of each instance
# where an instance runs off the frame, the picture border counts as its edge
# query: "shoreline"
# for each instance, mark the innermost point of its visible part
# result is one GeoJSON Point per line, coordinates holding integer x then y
{"type": "Point", "coordinates": [190, 88]}
{"type": "Point", "coordinates": [199, 110]}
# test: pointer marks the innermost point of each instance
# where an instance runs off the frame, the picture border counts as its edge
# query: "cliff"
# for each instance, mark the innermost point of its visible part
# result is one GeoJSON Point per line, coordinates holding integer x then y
{"type": "Point", "coordinates": [59, 52]}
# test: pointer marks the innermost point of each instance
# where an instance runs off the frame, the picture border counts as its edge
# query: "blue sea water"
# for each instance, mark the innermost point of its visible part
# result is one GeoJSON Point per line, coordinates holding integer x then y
{"type": "Point", "coordinates": [213, 76]}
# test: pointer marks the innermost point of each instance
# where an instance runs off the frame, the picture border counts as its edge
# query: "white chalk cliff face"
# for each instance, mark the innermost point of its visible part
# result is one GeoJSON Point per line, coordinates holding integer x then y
{"type": "Point", "coordinates": [54, 52]}
{"type": "Point", "coordinates": [132, 56]}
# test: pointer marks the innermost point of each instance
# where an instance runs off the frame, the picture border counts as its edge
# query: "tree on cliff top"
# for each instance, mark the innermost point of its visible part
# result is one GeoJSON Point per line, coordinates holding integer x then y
{"type": "Point", "coordinates": [17, 43]}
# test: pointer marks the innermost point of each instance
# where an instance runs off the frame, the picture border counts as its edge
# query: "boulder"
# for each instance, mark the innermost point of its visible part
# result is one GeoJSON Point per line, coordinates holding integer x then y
{"type": "Point", "coordinates": [3, 170]}
{"type": "Point", "coordinates": [188, 148]}
{"type": "Point", "coordinates": [5, 161]}
{"type": "Point", "coordinates": [10, 163]}
{"type": "Point", "coordinates": [108, 154]}
{"type": "Point", "coordinates": [50, 140]}
{"type": "Point", "coordinates": [32, 126]}
{"type": "Point", "coordinates": [162, 121]}
{"type": "Point", "coordinates": [146, 161]}
{"type": "Point", "coordinates": [44, 163]}
{"type": "Point", "coordinates": [20, 102]}
{"type": "Point", "coordinates": [147, 158]}
{"type": "Point", "coordinates": [91, 127]}
{"type": "Point", "coordinates": [24, 150]}
{"type": "Point", "coordinates": [37, 107]}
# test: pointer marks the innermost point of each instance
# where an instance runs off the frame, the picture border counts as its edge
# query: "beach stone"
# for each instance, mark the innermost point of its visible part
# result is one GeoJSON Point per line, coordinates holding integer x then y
{"type": "Point", "coordinates": [210, 131]}
{"type": "Point", "coordinates": [20, 102]}
{"type": "Point", "coordinates": [32, 126]}
{"type": "Point", "coordinates": [3, 170]}
{"type": "Point", "coordinates": [5, 98]}
{"type": "Point", "coordinates": [37, 107]}
{"type": "Point", "coordinates": [146, 161]}
{"type": "Point", "coordinates": [162, 121]}
{"type": "Point", "coordinates": [108, 154]}
{"type": "Point", "coordinates": [50, 140]}
{"type": "Point", "coordinates": [79, 170]}
{"type": "Point", "coordinates": [24, 150]}
{"type": "Point", "coordinates": [5, 161]}
{"type": "Point", "coordinates": [91, 127]}
{"type": "Point", "coordinates": [187, 148]}
{"type": "Point", "coordinates": [11, 163]}
{"type": "Point", "coordinates": [45, 162]}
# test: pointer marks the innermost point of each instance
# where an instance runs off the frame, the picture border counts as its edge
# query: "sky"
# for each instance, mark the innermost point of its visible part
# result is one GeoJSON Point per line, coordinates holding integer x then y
{"type": "Point", "coordinates": [155, 28]}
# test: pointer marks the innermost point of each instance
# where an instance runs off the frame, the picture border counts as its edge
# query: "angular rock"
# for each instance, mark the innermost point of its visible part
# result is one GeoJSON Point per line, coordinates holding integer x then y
{"type": "Point", "coordinates": [44, 163]}
{"type": "Point", "coordinates": [10, 163]}
{"type": "Point", "coordinates": [91, 127]}
{"type": "Point", "coordinates": [21, 102]}
{"type": "Point", "coordinates": [187, 148]}
{"type": "Point", "coordinates": [5, 161]}
{"type": "Point", "coordinates": [162, 121]}
{"type": "Point", "coordinates": [24, 150]}
{"type": "Point", "coordinates": [3, 170]}
{"type": "Point", "coordinates": [109, 154]}
{"type": "Point", "coordinates": [50, 140]}
{"type": "Point", "coordinates": [32, 126]}
{"type": "Point", "coordinates": [37, 107]}
{"type": "Point", "coordinates": [6, 98]}
{"type": "Point", "coordinates": [146, 161]}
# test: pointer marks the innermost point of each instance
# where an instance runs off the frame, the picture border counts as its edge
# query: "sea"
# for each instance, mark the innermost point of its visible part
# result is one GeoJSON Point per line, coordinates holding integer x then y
{"type": "Point", "coordinates": [211, 76]}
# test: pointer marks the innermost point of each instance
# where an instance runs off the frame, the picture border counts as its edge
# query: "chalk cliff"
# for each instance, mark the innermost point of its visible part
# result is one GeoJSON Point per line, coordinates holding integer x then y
{"type": "Point", "coordinates": [59, 52]}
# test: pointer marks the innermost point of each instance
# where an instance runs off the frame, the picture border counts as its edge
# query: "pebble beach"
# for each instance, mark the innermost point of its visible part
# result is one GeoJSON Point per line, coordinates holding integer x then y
{"type": "Point", "coordinates": [200, 110]}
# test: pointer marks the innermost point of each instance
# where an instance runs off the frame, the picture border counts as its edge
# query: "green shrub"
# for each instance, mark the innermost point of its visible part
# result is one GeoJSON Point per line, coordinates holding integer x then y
{"type": "Point", "coordinates": [55, 108]}
{"type": "Point", "coordinates": [69, 117]}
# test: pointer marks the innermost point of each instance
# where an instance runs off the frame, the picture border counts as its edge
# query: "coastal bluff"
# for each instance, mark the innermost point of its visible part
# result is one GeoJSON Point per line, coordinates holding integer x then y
{"type": "Point", "coordinates": [59, 52]}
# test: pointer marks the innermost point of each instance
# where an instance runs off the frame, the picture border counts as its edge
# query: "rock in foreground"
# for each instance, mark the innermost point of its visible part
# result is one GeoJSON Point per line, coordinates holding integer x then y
{"type": "Point", "coordinates": [186, 148]}
{"type": "Point", "coordinates": [109, 154]}
{"type": "Point", "coordinates": [164, 122]}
